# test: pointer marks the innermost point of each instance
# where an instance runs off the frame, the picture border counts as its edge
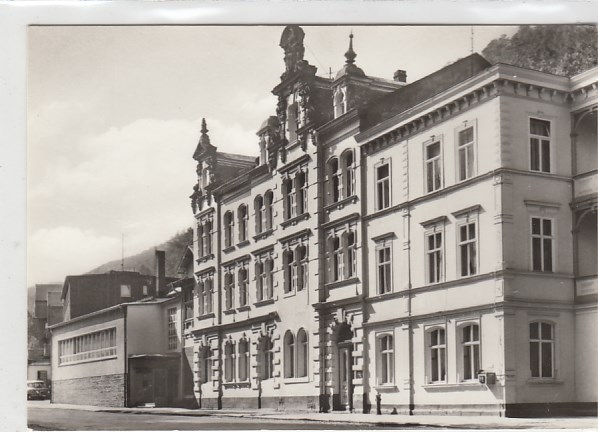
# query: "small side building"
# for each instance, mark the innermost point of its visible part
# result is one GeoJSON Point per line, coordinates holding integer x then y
{"type": "Point", "coordinates": [125, 355]}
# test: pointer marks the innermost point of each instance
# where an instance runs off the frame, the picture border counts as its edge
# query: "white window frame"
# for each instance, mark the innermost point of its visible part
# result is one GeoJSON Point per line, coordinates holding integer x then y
{"type": "Point", "coordinates": [466, 221]}
{"type": "Point", "coordinates": [542, 341]}
{"type": "Point", "coordinates": [386, 180]}
{"type": "Point", "coordinates": [386, 360]}
{"type": "Point", "coordinates": [348, 174]}
{"type": "Point", "coordinates": [229, 289]}
{"type": "Point", "coordinates": [334, 177]}
{"type": "Point", "coordinates": [459, 147]}
{"type": "Point", "coordinates": [433, 231]}
{"type": "Point", "coordinates": [229, 361]}
{"type": "Point", "coordinates": [380, 246]}
{"type": "Point", "coordinates": [543, 238]}
{"type": "Point", "coordinates": [229, 228]}
{"type": "Point", "coordinates": [463, 346]}
{"type": "Point", "coordinates": [541, 138]}
{"type": "Point", "coordinates": [429, 352]}
{"type": "Point", "coordinates": [243, 284]}
{"type": "Point", "coordinates": [435, 139]}
{"type": "Point", "coordinates": [302, 352]}
{"type": "Point", "coordinates": [289, 354]}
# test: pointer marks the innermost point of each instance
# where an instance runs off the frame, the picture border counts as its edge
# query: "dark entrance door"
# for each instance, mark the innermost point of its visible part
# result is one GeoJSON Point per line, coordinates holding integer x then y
{"type": "Point", "coordinates": [345, 385]}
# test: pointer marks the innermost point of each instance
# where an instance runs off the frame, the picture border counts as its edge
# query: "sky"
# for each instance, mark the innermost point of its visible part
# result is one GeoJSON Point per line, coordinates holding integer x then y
{"type": "Point", "coordinates": [114, 114]}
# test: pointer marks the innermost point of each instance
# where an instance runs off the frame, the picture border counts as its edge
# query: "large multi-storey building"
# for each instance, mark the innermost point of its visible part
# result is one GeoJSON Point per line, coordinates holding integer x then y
{"type": "Point", "coordinates": [428, 247]}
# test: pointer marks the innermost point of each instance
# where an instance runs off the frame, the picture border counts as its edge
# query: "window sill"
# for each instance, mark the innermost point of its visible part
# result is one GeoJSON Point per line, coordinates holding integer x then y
{"type": "Point", "coordinates": [263, 234]}
{"type": "Point", "coordinates": [205, 258]}
{"type": "Point", "coordinates": [243, 243]}
{"type": "Point", "coordinates": [295, 220]}
{"type": "Point", "coordinates": [206, 316]}
{"type": "Point", "coordinates": [544, 381]}
{"type": "Point", "coordinates": [88, 361]}
{"type": "Point", "coordinates": [240, 384]}
{"type": "Point", "coordinates": [446, 386]}
{"type": "Point", "coordinates": [299, 380]}
{"type": "Point", "coordinates": [264, 302]}
{"type": "Point", "coordinates": [243, 308]}
{"type": "Point", "coordinates": [338, 205]}
{"type": "Point", "coordinates": [228, 312]}
{"type": "Point", "coordinates": [386, 388]}
{"type": "Point", "coordinates": [341, 283]}
{"type": "Point", "coordinates": [228, 249]}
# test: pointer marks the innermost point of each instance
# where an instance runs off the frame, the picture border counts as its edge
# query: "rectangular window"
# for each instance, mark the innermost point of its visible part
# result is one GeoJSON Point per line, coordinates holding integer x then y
{"type": "Point", "coordinates": [173, 340]}
{"type": "Point", "coordinates": [434, 257]}
{"type": "Point", "coordinates": [539, 140]}
{"type": "Point", "coordinates": [466, 153]}
{"type": "Point", "coordinates": [541, 348]}
{"type": "Point", "coordinates": [433, 166]}
{"type": "Point", "coordinates": [386, 362]}
{"type": "Point", "coordinates": [384, 266]}
{"type": "Point", "coordinates": [468, 249]}
{"type": "Point", "coordinates": [542, 244]}
{"type": "Point", "coordinates": [93, 346]}
{"type": "Point", "coordinates": [125, 290]}
{"type": "Point", "coordinates": [437, 355]}
{"type": "Point", "coordinates": [471, 351]}
{"type": "Point", "coordinates": [383, 186]}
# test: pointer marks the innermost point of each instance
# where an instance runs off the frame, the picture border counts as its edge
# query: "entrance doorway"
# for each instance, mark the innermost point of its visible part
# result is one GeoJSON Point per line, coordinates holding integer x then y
{"type": "Point", "coordinates": [345, 384]}
{"type": "Point", "coordinates": [343, 389]}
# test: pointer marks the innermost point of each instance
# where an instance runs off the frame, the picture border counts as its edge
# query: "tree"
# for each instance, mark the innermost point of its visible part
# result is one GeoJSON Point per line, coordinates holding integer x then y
{"type": "Point", "coordinates": [557, 49]}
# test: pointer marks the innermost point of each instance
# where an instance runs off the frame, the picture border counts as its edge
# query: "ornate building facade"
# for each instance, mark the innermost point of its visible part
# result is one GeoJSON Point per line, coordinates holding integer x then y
{"type": "Point", "coordinates": [428, 247]}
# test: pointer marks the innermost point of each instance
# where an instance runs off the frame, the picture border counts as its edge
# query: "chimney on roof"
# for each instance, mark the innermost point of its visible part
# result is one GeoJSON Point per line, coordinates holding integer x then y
{"type": "Point", "coordinates": [160, 260]}
{"type": "Point", "coordinates": [400, 76]}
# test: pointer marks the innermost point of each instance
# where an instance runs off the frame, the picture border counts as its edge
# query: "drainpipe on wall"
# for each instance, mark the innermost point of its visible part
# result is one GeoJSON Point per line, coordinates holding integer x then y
{"type": "Point", "coordinates": [219, 269]}
{"type": "Point", "coordinates": [409, 320]}
{"type": "Point", "coordinates": [126, 355]}
{"type": "Point", "coordinates": [366, 406]}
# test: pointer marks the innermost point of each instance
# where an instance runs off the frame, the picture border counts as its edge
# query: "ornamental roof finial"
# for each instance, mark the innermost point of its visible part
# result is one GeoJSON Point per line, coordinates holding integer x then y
{"type": "Point", "coordinates": [204, 140]}
{"type": "Point", "coordinates": [350, 54]}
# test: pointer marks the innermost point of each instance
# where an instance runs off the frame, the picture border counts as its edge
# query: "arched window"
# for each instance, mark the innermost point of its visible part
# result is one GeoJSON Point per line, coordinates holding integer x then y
{"type": "Point", "coordinates": [228, 290]}
{"type": "Point", "coordinates": [348, 169]}
{"type": "Point", "coordinates": [471, 351]}
{"type": "Point", "coordinates": [201, 288]}
{"type": "Point", "coordinates": [386, 360]}
{"type": "Point", "coordinates": [288, 198]}
{"type": "Point", "coordinates": [243, 360]}
{"type": "Point", "coordinates": [350, 254]}
{"type": "Point", "coordinates": [242, 278]}
{"type": "Point", "coordinates": [339, 102]}
{"type": "Point", "coordinates": [269, 278]}
{"type": "Point", "coordinates": [228, 229]}
{"type": "Point", "coordinates": [200, 240]}
{"type": "Point", "coordinates": [301, 188]}
{"type": "Point", "coordinates": [208, 288]}
{"type": "Point", "coordinates": [437, 353]}
{"type": "Point", "coordinates": [208, 237]}
{"type": "Point", "coordinates": [265, 358]}
{"type": "Point", "coordinates": [229, 361]}
{"type": "Point", "coordinates": [541, 349]}
{"type": "Point", "coordinates": [292, 121]}
{"type": "Point", "coordinates": [268, 203]}
{"type": "Point", "coordinates": [301, 260]}
{"type": "Point", "coordinates": [289, 355]}
{"type": "Point", "coordinates": [335, 257]}
{"type": "Point", "coordinates": [243, 219]}
{"type": "Point", "coordinates": [334, 185]}
{"type": "Point", "coordinates": [302, 353]}
{"type": "Point", "coordinates": [290, 271]}
{"type": "Point", "coordinates": [260, 280]}
{"type": "Point", "coordinates": [259, 214]}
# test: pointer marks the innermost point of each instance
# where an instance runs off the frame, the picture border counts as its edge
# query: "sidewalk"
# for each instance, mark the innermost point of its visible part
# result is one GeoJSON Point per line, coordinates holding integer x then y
{"type": "Point", "coordinates": [435, 421]}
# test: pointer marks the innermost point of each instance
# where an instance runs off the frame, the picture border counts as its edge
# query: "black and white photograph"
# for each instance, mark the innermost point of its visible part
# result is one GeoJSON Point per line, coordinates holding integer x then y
{"type": "Point", "coordinates": [299, 226]}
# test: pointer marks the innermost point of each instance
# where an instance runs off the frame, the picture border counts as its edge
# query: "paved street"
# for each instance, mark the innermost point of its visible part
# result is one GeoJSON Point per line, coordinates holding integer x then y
{"type": "Point", "coordinates": [45, 416]}
{"type": "Point", "coordinates": [40, 417]}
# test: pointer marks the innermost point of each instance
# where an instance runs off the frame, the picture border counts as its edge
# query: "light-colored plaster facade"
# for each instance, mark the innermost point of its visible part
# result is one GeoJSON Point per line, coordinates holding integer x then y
{"type": "Point", "coordinates": [375, 170]}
